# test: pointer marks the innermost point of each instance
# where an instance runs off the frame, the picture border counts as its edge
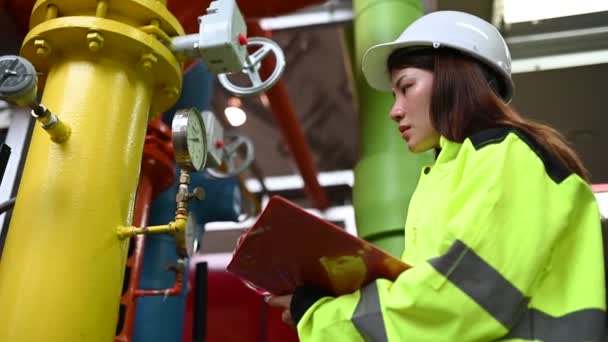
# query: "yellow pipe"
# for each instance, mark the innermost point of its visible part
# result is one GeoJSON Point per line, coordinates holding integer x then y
{"type": "Point", "coordinates": [177, 226]}
{"type": "Point", "coordinates": [62, 268]}
{"type": "Point", "coordinates": [71, 198]}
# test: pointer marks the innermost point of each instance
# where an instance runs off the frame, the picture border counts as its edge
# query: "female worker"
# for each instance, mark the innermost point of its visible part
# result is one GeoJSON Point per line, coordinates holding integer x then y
{"type": "Point", "coordinates": [503, 231]}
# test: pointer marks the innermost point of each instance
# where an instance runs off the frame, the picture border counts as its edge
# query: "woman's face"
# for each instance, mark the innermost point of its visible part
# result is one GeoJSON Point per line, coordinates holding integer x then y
{"type": "Point", "coordinates": [412, 90]}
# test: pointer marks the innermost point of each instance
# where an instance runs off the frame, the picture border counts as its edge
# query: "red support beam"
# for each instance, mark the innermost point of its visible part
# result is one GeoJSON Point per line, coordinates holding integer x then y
{"type": "Point", "coordinates": [286, 118]}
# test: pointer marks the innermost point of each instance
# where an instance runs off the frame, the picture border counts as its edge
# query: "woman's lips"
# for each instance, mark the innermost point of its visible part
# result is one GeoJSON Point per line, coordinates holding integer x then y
{"type": "Point", "coordinates": [405, 131]}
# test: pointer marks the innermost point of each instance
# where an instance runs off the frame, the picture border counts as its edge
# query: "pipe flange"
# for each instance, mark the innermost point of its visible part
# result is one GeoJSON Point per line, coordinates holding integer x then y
{"type": "Point", "coordinates": [71, 37]}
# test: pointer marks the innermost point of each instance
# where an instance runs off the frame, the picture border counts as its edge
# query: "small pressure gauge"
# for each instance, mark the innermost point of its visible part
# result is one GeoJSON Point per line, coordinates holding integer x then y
{"type": "Point", "coordinates": [189, 139]}
{"type": "Point", "coordinates": [17, 80]}
{"type": "Point", "coordinates": [193, 235]}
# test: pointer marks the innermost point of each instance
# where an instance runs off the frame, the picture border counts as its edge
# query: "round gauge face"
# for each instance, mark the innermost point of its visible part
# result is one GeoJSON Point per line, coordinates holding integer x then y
{"type": "Point", "coordinates": [189, 139]}
{"type": "Point", "coordinates": [195, 134]}
{"type": "Point", "coordinates": [192, 234]}
{"type": "Point", "coordinates": [17, 77]}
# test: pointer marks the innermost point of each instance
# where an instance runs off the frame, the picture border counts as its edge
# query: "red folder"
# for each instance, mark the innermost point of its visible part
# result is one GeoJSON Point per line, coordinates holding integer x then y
{"type": "Point", "coordinates": [289, 247]}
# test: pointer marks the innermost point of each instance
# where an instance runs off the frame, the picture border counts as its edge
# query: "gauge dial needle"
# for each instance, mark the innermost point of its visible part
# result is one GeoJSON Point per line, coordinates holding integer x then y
{"type": "Point", "coordinates": [9, 72]}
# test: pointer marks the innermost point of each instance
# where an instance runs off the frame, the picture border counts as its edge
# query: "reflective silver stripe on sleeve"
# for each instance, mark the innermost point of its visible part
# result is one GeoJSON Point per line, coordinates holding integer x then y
{"type": "Point", "coordinates": [482, 282]}
{"type": "Point", "coordinates": [584, 325]}
{"type": "Point", "coordinates": [367, 317]}
{"type": "Point", "coordinates": [495, 294]}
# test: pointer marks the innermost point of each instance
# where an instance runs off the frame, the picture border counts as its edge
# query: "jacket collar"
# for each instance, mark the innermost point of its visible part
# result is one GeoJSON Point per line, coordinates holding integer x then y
{"type": "Point", "coordinates": [449, 150]}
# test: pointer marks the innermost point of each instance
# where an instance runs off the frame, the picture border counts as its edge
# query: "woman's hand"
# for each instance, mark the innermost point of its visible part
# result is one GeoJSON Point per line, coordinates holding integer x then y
{"type": "Point", "coordinates": [283, 302]}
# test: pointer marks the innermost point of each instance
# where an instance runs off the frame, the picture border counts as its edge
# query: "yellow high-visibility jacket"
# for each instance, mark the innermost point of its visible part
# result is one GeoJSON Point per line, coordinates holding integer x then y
{"type": "Point", "coordinates": [505, 244]}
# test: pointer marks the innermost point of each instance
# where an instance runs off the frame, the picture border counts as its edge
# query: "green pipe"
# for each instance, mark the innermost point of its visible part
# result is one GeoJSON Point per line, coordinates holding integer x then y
{"type": "Point", "coordinates": [387, 173]}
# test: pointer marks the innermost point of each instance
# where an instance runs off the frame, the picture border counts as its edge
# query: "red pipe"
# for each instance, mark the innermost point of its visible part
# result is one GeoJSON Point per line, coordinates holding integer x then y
{"type": "Point", "coordinates": [287, 119]}
{"type": "Point", "coordinates": [135, 261]}
{"type": "Point", "coordinates": [174, 291]}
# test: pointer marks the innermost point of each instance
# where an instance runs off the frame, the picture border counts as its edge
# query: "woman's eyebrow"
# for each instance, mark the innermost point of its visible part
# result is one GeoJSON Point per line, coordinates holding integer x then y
{"type": "Point", "coordinates": [400, 79]}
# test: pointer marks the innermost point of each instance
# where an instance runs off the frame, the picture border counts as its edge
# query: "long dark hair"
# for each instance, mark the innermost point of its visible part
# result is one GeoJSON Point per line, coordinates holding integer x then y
{"type": "Point", "coordinates": [465, 101]}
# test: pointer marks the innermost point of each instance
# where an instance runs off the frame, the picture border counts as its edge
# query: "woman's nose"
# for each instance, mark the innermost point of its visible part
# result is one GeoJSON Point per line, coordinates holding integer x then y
{"type": "Point", "coordinates": [396, 113]}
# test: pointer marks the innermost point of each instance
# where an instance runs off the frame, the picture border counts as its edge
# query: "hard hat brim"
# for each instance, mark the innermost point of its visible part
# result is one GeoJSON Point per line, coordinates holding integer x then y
{"type": "Point", "coordinates": [375, 68]}
{"type": "Point", "coordinates": [374, 64]}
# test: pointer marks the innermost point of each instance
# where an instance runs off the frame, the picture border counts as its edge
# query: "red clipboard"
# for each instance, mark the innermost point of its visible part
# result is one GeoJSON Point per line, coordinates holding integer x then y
{"type": "Point", "coordinates": [289, 247]}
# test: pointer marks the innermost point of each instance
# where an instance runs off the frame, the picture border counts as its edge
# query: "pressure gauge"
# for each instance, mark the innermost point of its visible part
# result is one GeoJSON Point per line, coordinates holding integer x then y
{"type": "Point", "coordinates": [193, 235]}
{"type": "Point", "coordinates": [189, 139]}
{"type": "Point", "coordinates": [17, 80]}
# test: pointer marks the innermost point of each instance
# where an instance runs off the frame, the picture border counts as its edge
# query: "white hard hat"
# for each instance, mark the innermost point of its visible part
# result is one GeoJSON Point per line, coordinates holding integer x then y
{"type": "Point", "coordinates": [460, 31]}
